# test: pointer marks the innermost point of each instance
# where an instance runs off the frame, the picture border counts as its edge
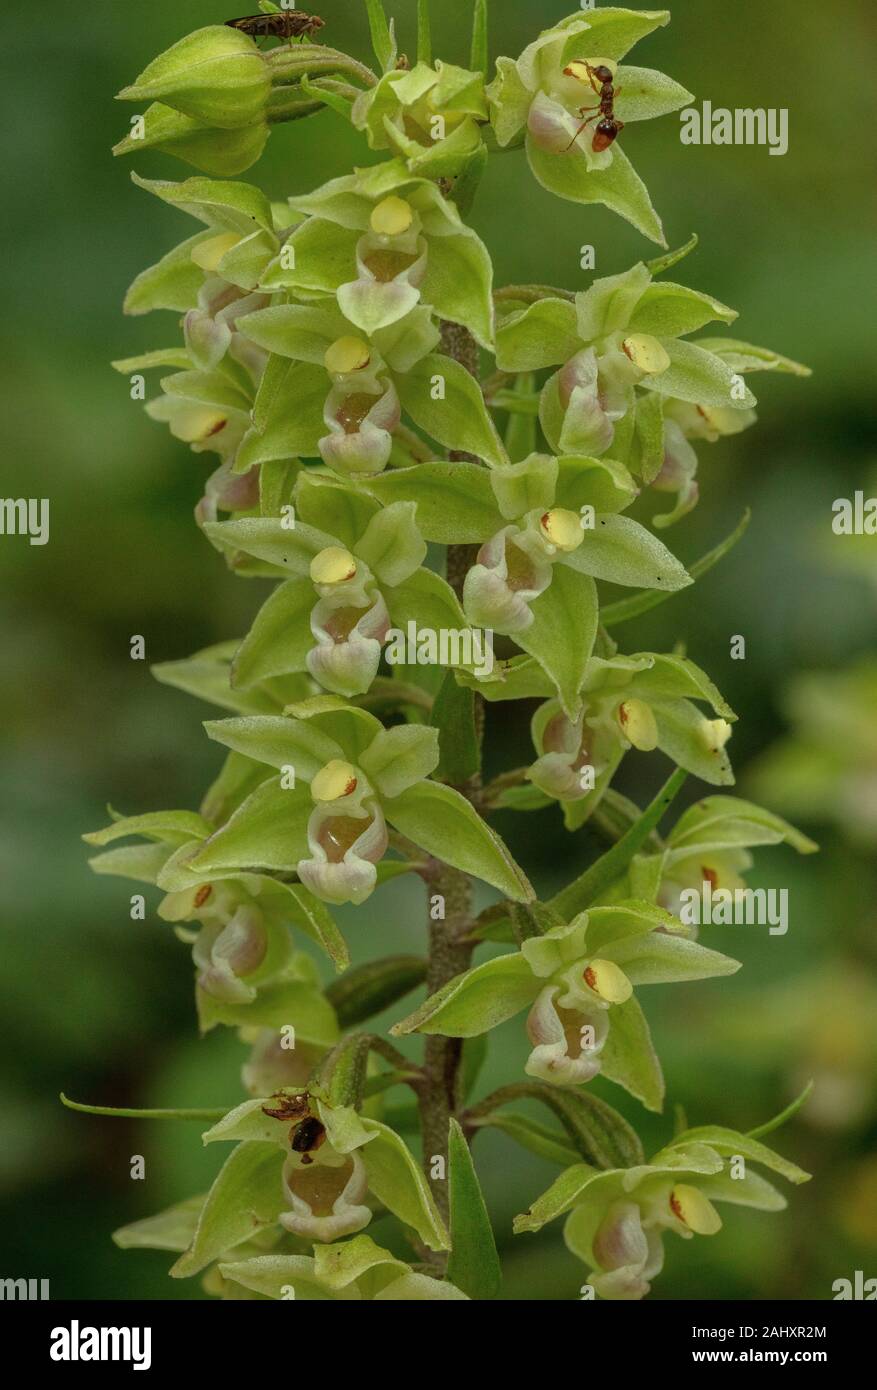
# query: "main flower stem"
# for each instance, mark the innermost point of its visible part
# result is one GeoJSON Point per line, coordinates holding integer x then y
{"type": "Point", "coordinates": [450, 950]}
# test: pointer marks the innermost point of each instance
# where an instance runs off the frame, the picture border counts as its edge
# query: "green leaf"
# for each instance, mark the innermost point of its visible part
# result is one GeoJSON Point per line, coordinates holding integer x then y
{"type": "Point", "coordinates": [473, 1264]}
{"type": "Point", "coordinates": [475, 1001]}
{"type": "Point", "coordinates": [442, 822]}
{"type": "Point", "coordinates": [460, 420]}
{"type": "Point", "coordinates": [616, 613]}
{"type": "Point", "coordinates": [383, 42]}
{"type": "Point", "coordinates": [453, 715]}
{"type": "Point", "coordinates": [455, 502]}
{"type": "Point", "coordinates": [127, 1113]}
{"type": "Point", "coordinates": [629, 1058]}
{"type": "Point", "coordinates": [595, 880]}
{"type": "Point", "coordinates": [366, 990]}
{"type": "Point", "coordinates": [246, 1196]}
{"type": "Point", "coordinates": [562, 634]}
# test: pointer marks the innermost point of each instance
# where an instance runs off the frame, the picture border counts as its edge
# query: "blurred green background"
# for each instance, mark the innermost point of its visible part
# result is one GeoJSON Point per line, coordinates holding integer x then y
{"type": "Point", "coordinates": [102, 1007]}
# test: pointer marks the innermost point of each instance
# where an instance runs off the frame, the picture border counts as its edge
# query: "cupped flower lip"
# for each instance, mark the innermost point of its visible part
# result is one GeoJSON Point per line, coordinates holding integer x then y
{"type": "Point", "coordinates": [499, 588]}
{"type": "Point", "coordinates": [341, 868]}
{"type": "Point", "coordinates": [325, 1200]}
{"type": "Point", "coordinates": [562, 1055]}
{"type": "Point", "coordinates": [226, 955]}
{"type": "Point", "coordinates": [361, 425]}
{"type": "Point", "coordinates": [347, 665]}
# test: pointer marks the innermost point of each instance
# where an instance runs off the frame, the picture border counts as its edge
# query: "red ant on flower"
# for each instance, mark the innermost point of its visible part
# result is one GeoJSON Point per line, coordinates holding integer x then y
{"type": "Point", "coordinates": [602, 81]}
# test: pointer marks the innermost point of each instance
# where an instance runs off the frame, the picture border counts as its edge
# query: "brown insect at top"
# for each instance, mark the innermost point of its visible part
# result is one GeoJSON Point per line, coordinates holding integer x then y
{"type": "Point", "coordinates": [290, 1108]}
{"type": "Point", "coordinates": [608, 126]}
{"type": "Point", "coordinates": [290, 24]}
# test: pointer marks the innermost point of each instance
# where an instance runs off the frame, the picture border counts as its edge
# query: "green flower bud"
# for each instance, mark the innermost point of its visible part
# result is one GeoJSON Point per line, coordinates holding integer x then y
{"type": "Point", "coordinates": [217, 75]}
{"type": "Point", "coordinates": [214, 151]}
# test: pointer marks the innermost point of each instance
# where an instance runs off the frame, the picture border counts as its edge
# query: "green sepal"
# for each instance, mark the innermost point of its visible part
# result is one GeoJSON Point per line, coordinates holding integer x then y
{"type": "Point", "coordinates": [475, 1001]}
{"type": "Point", "coordinates": [460, 420]}
{"type": "Point", "coordinates": [246, 1196]}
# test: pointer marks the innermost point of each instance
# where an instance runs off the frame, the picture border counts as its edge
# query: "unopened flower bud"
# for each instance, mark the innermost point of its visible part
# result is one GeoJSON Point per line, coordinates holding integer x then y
{"type": "Point", "coordinates": [334, 565]}
{"type": "Point", "coordinates": [647, 353]}
{"type": "Point", "coordinates": [216, 75]}
{"type": "Point", "coordinates": [608, 980]}
{"type": "Point", "coordinates": [208, 254]}
{"type": "Point", "coordinates": [714, 734]}
{"type": "Point", "coordinates": [638, 725]}
{"type": "Point", "coordinates": [391, 217]}
{"type": "Point", "coordinates": [347, 355]}
{"type": "Point", "coordinates": [336, 780]}
{"type": "Point", "coordinates": [562, 529]}
{"type": "Point", "coordinates": [694, 1210]}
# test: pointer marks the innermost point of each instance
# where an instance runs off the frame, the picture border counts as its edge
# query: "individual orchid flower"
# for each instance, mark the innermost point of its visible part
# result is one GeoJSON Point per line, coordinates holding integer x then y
{"type": "Point", "coordinates": [429, 116]}
{"type": "Point", "coordinates": [351, 586]}
{"type": "Point", "coordinates": [548, 527]}
{"type": "Point", "coordinates": [321, 1163]}
{"type": "Point", "coordinates": [539, 99]}
{"type": "Point", "coordinates": [356, 1270]}
{"type": "Point", "coordinates": [238, 925]}
{"type": "Point", "coordinates": [621, 348]}
{"type": "Point", "coordinates": [345, 779]}
{"type": "Point", "coordinates": [382, 242]}
{"type": "Point", "coordinates": [618, 1217]}
{"type": "Point", "coordinates": [578, 981]}
{"type": "Point", "coordinates": [644, 702]}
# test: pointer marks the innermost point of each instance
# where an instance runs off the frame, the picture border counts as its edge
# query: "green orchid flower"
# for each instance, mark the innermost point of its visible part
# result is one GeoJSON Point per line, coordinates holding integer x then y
{"type": "Point", "coordinates": [618, 1217]}
{"type": "Point", "coordinates": [351, 587]}
{"type": "Point", "coordinates": [355, 1270]}
{"type": "Point", "coordinates": [709, 845]}
{"type": "Point", "coordinates": [646, 701]}
{"type": "Point", "coordinates": [325, 818]}
{"type": "Point", "coordinates": [319, 1163]}
{"type": "Point", "coordinates": [429, 116]}
{"type": "Point", "coordinates": [578, 981]}
{"type": "Point", "coordinates": [623, 337]}
{"type": "Point", "coordinates": [539, 100]}
{"type": "Point", "coordinates": [384, 241]}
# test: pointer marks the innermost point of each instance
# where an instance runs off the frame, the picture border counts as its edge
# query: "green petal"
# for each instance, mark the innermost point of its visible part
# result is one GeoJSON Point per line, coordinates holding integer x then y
{"type": "Point", "coordinates": [392, 546]}
{"type": "Point", "coordinates": [679, 736]}
{"type": "Point", "coordinates": [659, 959]}
{"type": "Point", "coordinates": [459, 284]}
{"type": "Point", "coordinates": [621, 551]}
{"type": "Point", "coordinates": [278, 741]}
{"type": "Point", "coordinates": [545, 334]}
{"type": "Point", "coordinates": [698, 377]}
{"type": "Point", "coordinates": [280, 638]}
